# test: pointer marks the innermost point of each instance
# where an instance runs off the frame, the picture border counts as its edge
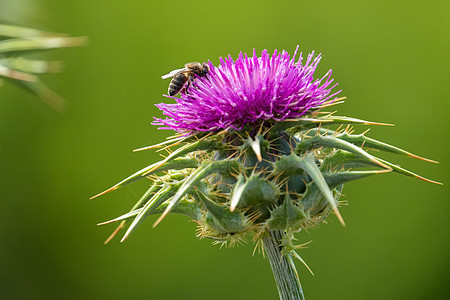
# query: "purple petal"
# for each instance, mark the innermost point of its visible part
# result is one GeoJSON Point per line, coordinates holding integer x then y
{"type": "Point", "coordinates": [249, 90]}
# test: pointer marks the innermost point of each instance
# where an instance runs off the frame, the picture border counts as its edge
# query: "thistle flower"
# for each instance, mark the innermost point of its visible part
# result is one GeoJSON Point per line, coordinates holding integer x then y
{"type": "Point", "coordinates": [249, 90]}
{"type": "Point", "coordinates": [256, 157]}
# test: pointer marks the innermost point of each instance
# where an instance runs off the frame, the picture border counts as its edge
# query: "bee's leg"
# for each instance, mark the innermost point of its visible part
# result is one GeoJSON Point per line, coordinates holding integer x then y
{"type": "Point", "coordinates": [184, 89]}
{"type": "Point", "coordinates": [188, 84]}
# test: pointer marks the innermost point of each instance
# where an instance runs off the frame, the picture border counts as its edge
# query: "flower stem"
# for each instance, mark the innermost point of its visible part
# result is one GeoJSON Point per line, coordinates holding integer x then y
{"type": "Point", "coordinates": [283, 268]}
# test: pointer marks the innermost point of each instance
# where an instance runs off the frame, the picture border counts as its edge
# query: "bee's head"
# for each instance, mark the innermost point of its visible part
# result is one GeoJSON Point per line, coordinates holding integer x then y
{"type": "Point", "coordinates": [205, 69]}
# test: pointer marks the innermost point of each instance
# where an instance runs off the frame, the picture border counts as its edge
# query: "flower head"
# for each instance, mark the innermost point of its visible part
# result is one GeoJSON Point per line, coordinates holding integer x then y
{"type": "Point", "coordinates": [249, 90]}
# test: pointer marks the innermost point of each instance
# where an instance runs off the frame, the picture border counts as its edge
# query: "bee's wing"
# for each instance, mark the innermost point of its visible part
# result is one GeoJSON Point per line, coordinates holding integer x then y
{"type": "Point", "coordinates": [172, 73]}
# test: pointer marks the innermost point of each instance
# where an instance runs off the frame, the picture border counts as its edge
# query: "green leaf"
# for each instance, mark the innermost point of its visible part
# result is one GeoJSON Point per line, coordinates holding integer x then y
{"type": "Point", "coordinates": [309, 165]}
{"type": "Point", "coordinates": [203, 171]}
{"type": "Point", "coordinates": [31, 65]}
{"type": "Point", "coordinates": [39, 88]}
{"type": "Point", "coordinates": [156, 200]}
{"type": "Point", "coordinates": [165, 143]}
{"type": "Point", "coordinates": [286, 216]}
{"type": "Point", "coordinates": [225, 221]}
{"type": "Point", "coordinates": [361, 140]}
{"type": "Point", "coordinates": [258, 192]}
{"type": "Point", "coordinates": [256, 146]}
{"type": "Point", "coordinates": [335, 179]}
{"type": "Point", "coordinates": [14, 74]}
{"type": "Point", "coordinates": [123, 217]}
{"type": "Point", "coordinates": [177, 164]}
{"type": "Point", "coordinates": [186, 207]}
{"type": "Point", "coordinates": [134, 211]}
{"type": "Point", "coordinates": [304, 123]}
{"type": "Point", "coordinates": [21, 41]}
{"type": "Point", "coordinates": [202, 145]}
{"type": "Point", "coordinates": [406, 172]}
{"type": "Point", "coordinates": [237, 192]}
{"type": "Point", "coordinates": [319, 141]}
{"type": "Point", "coordinates": [293, 164]}
{"type": "Point", "coordinates": [346, 159]}
{"type": "Point", "coordinates": [136, 208]}
{"type": "Point", "coordinates": [33, 44]}
{"type": "Point", "coordinates": [24, 32]}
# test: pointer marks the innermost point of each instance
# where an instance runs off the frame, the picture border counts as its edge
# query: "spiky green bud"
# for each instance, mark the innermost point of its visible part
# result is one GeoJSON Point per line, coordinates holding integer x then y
{"type": "Point", "coordinates": [286, 176]}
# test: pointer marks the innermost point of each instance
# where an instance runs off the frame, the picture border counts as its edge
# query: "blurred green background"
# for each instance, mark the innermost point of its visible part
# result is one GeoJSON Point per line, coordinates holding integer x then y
{"type": "Point", "coordinates": [391, 59]}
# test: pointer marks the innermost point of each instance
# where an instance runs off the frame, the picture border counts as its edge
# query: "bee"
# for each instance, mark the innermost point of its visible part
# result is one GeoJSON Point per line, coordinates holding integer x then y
{"type": "Point", "coordinates": [182, 78]}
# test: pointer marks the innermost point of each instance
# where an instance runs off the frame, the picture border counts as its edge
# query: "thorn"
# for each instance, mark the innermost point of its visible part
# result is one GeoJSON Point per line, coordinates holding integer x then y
{"type": "Point", "coordinates": [319, 127]}
{"type": "Point", "coordinates": [339, 128]}
{"type": "Point", "coordinates": [363, 143]}
{"type": "Point", "coordinates": [302, 246]}
{"type": "Point", "coordinates": [236, 197]}
{"type": "Point", "coordinates": [362, 134]}
{"type": "Point", "coordinates": [115, 232]}
{"type": "Point", "coordinates": [252, 217]}
{"type": "Point", "coordinates": [428, 180]}
{"type": "Point", "coordinates": [303, 262]}
{"type": "Point", "coordinates": [18, 75]}
{"type": "Point", "coordinates": [255, 144]}
{"type": "Point", "coordinates": [382, 171]}
{"type": "Point", "coordinates": [352, 130]}
{"type": "Point", "coordinates": [256, 247]}
{"type": "Point", "coordinates": [423, 158]}
{"type": "Point", "coordinates": [146, 148]}
{"type": "Point", "coordinates": [239, 136]}
{"type": "Point", "coordinates": [268, 129]}
{"type": "Point", "coordinates": [289, 257]}
{"type": "Point", "coordinates": [283, 181]}
{"type": "Point", "coordinates": [124, 238]}
{"type": "Point", "coordinates": [164, 214]}
{"type": "Point", "coordinates": [220, 133]}
{"type": "Point", "coordinates": [104, 192]}
{"type": "Point", "coordinates": [260, 128]}
{"type": "Point", "coordinates": [153, 169]}
{"type": "Point", "coordinates": [107, 222]}
{"type": "Point", "coordinates": [332, 113]}
{"type": "Point", "coordinates": [347, 128]}
{"type": "Point", "coordinates": [175, 136]}
{"type": "Point", "coordinates": [162, 144]}
{"type": "Point", "coordinates": [169, 146]}
{"type": "Point", "coordinates": [233, 154]}
{"type": "Point", "coordinates": [378, 123]}
{"type": "Point", "coordinates": [374, 160]}
{"type": "Point", "coordinates": [338, 214]}
{"type": "Point", "coordinates": [333, 102]}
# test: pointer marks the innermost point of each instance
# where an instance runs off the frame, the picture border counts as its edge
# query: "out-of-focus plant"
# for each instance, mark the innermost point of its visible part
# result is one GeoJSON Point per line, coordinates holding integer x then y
{"type": "Point", "coordinates": [17, 43]}
{"type": "Point", "coordinates": [256, 156]}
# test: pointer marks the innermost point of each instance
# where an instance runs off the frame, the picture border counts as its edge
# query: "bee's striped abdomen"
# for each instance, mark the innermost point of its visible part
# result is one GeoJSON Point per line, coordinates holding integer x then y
{"type": "Point", "coordinates": [177, 83]}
